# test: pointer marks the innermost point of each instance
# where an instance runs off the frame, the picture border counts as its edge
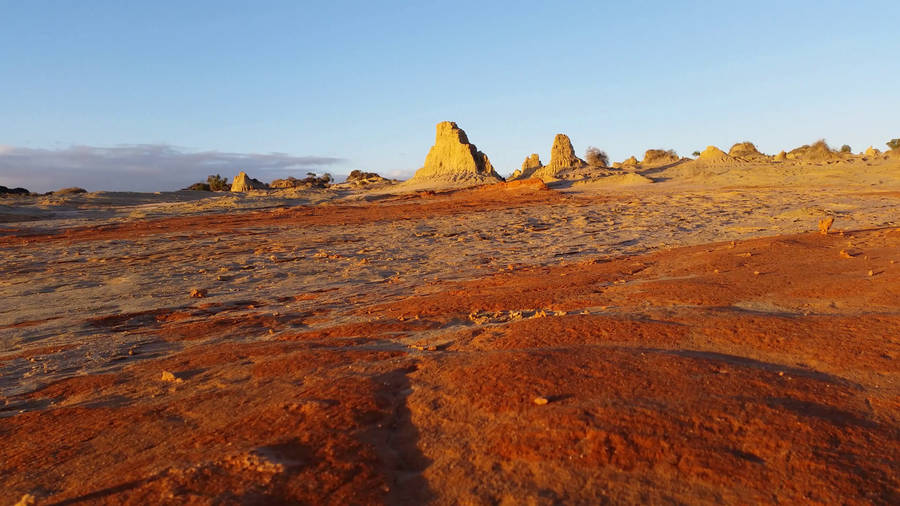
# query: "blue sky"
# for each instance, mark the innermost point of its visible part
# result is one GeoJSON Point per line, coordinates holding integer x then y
{"type": "Point", "coordinates": [333, 86]}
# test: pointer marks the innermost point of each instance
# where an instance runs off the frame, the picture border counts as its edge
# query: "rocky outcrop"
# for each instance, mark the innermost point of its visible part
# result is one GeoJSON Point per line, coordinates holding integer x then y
{"type": "Point", "coordinates": [454, 159]}
{"type": "Point", "coordinates": [244, 183]}
{"type": "Point", "coordinates": [780, 157]}
{"type": "Point", "coordinates": [871, 152]}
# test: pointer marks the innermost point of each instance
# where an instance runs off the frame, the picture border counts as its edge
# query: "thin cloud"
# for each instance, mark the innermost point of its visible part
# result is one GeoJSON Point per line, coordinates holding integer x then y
{"type": "Point", "coordinates": [141, 167]}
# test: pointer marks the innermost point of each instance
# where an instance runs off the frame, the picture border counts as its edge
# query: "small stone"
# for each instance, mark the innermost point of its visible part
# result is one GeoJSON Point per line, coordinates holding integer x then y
{"type": "Point", "coordinates": [198, 293]}
{"type": "Point", "coordinates": [844, 254]}
{"type": "Point", "coordinates": [27, 500]}
{"type": "Point", "coordinates": [167, 376]}
{"type": "Point", "coordinates": [871, 273]}
{"type": "Point", "coordinates": [540, 401]}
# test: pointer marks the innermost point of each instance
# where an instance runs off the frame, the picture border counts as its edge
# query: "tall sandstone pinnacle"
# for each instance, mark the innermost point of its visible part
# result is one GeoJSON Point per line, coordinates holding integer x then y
{"type": "Point", "coordinates": [562, 155]}
{"type": "Point", "coordinates": [563, 162]}
{"type": "Point", "coordinates": [454, 159]}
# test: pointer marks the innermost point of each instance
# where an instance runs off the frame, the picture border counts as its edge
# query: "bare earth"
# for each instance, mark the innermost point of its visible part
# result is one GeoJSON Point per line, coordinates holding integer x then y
{"type": "Point", "coordinates": [693, 340]}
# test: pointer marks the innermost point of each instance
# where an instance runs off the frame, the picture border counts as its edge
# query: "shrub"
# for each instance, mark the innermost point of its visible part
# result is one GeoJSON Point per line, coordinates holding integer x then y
{"type": "Point", "coordinates": [4, 191]}
{"type": "Point", "coordinates": [199, 187]}
{"type": "Point", "coordinates": [695, 153]}
{"type": "Point", "coordinates": [846, 149]}
{"type": "Point", "coordinates": [70, 191]}
{"type": "Point", "coordinates": [893, 143]}
{"type": "Point", "coordinates": [595, 157]}
{"type": "Point", "coordinates": [218, 183]}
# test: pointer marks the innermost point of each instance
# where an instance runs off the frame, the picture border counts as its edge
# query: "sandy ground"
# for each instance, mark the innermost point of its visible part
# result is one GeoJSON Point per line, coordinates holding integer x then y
{"type": "Point", "coordinates": [694, 341]}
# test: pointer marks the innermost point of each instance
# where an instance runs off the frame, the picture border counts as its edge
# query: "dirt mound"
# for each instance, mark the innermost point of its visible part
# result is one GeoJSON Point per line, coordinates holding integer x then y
{"type": "Point", "coordinates": [310, 181]}
{"type": "Point", "coordinates": [657, 157]}
{"type": "Point", "coordinates": [630, 162]}
{"type": "Point", "coordinates": [714, 154]}
{"type": "Point", "coordinates": [715, 157]}
{"type": "Point", "coordinates": [244, 183]}
{"type": "Point", "coordinates": [360, 178]}
{"type": "Point", "coordinates": [70, 191]}
{"type": "Point", "coordinates": [746, 151]}
{"type": "Point", "coordinates": [454, 159]}
{"type": "Point", "coordinates": [818, 151]}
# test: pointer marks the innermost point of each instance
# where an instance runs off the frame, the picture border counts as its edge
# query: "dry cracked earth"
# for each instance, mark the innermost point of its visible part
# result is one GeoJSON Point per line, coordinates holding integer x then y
{"type": "Point", "coordinates": [510, 344]}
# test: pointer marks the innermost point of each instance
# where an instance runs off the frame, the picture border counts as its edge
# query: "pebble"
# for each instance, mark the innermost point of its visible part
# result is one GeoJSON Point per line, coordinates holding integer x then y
{"type": "Point", "coordinates": [167, 376]}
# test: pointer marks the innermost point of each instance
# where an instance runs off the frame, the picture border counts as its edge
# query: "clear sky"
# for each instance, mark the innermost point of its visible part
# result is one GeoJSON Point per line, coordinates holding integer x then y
{"type": "Point", "coordinates": [155, 95]}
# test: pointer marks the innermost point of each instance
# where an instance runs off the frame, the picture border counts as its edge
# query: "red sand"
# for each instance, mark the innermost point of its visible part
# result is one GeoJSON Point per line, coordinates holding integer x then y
{"type": "Point", "coordinates": [764, 371]}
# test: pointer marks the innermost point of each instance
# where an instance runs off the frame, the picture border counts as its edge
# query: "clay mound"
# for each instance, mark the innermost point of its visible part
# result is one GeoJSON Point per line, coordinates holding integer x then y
{"type": "Point", "coordinates": [657, 157]}
{"type": "Point", "coordinates": [871, 152]}
{"type": "Point", "coordinates": [360, 178]}
{"type": "Point", "coordinates": [244, 183]}
{"type": "Point", "coordinates": [290, 182]}
{"type": "Point", "coordinates": [70, 191]}
{"type": "Point", "coordinates": [712, 153]}
{"type": "Point", "coordinates": [629, 163]}
{"type": "Point", "coordinates": [454, 159]}
{"type": "Point", "coordinates": [746, 151]}
{"type": "Point", "coordinates": [310, 181]}
{"type": "Point", "coordinates": [819, 151]}
{"type": "Point", "coordinates": [715, 156]}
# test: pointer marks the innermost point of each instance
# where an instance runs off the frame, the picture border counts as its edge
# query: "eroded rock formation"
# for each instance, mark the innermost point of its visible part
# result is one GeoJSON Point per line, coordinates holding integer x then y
{"type": "Point", "coordinates": [529, 166]}
{"type": "Point", "coordinates": [562, 155]}
{"type": "Point", "coordinates": [453, 158]}
{"type": "Point", "coordinates": [244, 183]}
